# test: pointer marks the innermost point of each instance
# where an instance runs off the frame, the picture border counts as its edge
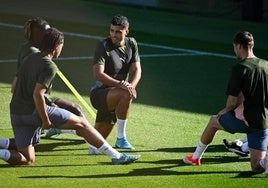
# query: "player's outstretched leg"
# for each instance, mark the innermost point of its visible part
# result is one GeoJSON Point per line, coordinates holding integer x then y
{"type": "Point", "coordinates": [93, 137]}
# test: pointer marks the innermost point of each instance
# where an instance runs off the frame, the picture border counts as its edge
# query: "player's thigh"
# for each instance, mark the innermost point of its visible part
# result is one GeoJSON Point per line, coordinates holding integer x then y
{"type": "Point", "coordinates": [63, 119]}
{"type": "Point", "coordinates": [98, 98]}
{"type": "Point", "coordinates": [116, 95]}
{"type": "Point", "coordinates": [58, 116]}
{"type": "Point", "coordinates": [232, 125]}
{"type": "Point", "coordinates": [67, 105]}
{"type": "Point", "coordinates": [26, 129]}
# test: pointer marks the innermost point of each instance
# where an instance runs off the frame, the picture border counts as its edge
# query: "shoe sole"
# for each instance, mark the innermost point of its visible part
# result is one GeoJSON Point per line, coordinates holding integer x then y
{"type": "Point", "coordinates": [186, 161]}
{"type": "Point", "coordinates": [116, 146]}
{"type": "Point", "coordinates": [128, 162]}
{"type": "Point", "coordinates": [237, 152]}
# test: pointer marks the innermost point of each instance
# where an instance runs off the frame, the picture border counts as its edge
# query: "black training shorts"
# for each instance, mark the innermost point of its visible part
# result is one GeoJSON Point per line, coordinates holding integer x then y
{"type": "Point", "coordinates": [98, 100]}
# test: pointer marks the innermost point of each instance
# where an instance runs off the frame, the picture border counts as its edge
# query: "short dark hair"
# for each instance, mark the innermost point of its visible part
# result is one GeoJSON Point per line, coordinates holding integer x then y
{"type": "Point", "coordinates": [120, 20]}
{"type": "Point", "coordinates": [245, 39]}
{"type": "Point", "coordinates": [52, 38]}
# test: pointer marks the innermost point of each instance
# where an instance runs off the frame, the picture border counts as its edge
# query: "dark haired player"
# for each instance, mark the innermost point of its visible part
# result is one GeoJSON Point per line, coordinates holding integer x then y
{"type": "Point", "coordinates": [249, 76]}
{"type": "Point", "coordinates": [29, 112]}
{"type": "Point", "coordinates": [117, 70]}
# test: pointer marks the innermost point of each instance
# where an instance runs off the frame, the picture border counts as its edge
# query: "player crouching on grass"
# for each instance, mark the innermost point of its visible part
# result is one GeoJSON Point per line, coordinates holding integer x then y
{"type": "Point", "coordinates": [117, 71]}
{"type": "Point", "coordinates": [249, 76]}
{"type": "Point", "coordinates": [29, 112]}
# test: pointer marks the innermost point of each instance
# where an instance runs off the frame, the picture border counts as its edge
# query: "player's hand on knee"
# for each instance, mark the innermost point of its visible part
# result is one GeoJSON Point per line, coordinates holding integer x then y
{"type": "Point", "coordinates": [47, 125]}
{"type": "Point", "coordinates": [132, 91]}
{"type": "Point", "coordinates": [127, 86]}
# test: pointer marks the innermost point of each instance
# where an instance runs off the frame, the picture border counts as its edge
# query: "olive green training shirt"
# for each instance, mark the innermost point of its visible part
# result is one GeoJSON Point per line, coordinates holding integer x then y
{"type": "Point", "coordinates": [251, 77]}
{"type": "Point", "coordinates": [35, 68]}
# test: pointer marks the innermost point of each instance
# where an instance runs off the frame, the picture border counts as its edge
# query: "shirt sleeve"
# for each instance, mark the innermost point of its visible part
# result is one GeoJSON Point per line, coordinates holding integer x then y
{"type": "Point", "coordinates": [135, 55]}
{"type": "Point", "coordinates": [47, 74]}
{"type": "Point", "coordinates": [235, 81]}
{"type": "Point", "coordinates": [100, 54]}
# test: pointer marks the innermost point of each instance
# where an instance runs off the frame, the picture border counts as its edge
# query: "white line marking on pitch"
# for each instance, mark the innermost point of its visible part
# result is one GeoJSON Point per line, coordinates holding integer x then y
{"type": "Point", "coordinates": [187, 51]}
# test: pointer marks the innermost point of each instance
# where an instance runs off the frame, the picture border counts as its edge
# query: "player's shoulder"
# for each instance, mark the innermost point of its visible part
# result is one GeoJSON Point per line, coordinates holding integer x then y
{"type": "Point", "coordinates": [25, 45]}
{"type": "Point", "coordinates": [33, 49]}
{"type": "Point", "coordinates": [132, 40]}
{"type": "Point", "coordinates": [49, 64]}
{"type": "Point", "coordinates": [263, 60]}
{"type": "Point", "coordinates": [104, 43]}
{"type": "Point", "coordinates": [46, 59]}
{"type": "Point", "coordinates": [263, 63]}
{"type": "Point", "coordinates": [26, 49]}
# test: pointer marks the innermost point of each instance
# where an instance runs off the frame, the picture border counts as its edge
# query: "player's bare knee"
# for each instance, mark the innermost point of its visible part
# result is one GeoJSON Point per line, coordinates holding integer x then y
{"type": "Point", "coordinates": [126, 96]}
{"type": "Point", "coordinates": [82, 124]}
{"type": "Point", "coordinates": [257, 168]}
{"type": "Point", "coordinates": [78, 110]}
{"type": "Point", "coordinates": [30, 161]}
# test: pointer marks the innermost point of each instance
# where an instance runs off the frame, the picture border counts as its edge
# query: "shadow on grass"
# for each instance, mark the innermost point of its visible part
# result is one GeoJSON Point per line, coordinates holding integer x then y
{"type": "Point", "coordinates": [46, 166]}
{"type": "Point", "coordinates": [166, 170]}
{"type": "Point", "coordinates": [211, 148]}
{"type": "Point", "coordinates": [45, 147]}
{"type": "Point", "coordinates": [247, 174]}
{"type": "Point", "coordinates": [165, 167]}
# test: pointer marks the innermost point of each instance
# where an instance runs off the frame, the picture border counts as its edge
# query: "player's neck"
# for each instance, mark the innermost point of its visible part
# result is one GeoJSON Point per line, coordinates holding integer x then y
{"type": "Point", "coordinates": [247, 55]}
{"type": "Point", "coordinates": [49, 55]}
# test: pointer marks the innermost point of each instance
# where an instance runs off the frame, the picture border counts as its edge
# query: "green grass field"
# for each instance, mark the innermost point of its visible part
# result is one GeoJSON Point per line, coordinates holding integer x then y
{"type": "Point", "coordinates": [186, 62]}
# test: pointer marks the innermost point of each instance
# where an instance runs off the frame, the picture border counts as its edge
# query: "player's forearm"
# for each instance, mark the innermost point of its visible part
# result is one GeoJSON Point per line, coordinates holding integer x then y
{"type": "Point", "coordinates": [101, 76]}
{"type": "Point", "coordinates": [135, 78]}
{"type": "Point", "coordinates": [231, 103]}
{"type": "Point", "coordinates": [40, 105]}
{"type": "Point", "coordinates": [107, 80]}
{"type": "Point", "coordinates": [13, 85]}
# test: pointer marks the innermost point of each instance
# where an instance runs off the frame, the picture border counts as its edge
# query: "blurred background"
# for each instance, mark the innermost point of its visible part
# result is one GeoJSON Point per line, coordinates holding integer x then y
{"type": "Point", "coordinates": [249, 10]}
{"type": "Point", "coordinates": [185, 45]}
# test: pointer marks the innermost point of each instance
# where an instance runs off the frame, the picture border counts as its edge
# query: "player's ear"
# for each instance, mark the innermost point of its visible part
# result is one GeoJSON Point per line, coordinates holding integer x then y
{"type": "Point", "coordinates": [127, 31]}
{"type": "Point", "coordinates": [52, 53]}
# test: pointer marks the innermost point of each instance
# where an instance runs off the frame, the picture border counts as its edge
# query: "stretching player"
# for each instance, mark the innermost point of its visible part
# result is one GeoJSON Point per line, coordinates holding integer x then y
{"type": "Point", "coordinates": [249, 76]}
{"type": "Point", "coordinates": [29, 112]}
{"type": "Point", "coordinates": [33, 32]}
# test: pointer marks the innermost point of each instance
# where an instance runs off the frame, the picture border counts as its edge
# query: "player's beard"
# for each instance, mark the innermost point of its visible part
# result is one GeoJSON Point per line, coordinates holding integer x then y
{"type": "Point", "coordinates": [116, 41]}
